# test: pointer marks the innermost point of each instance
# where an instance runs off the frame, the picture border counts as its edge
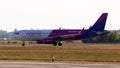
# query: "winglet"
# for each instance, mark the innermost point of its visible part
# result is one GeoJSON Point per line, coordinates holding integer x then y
{"type": "Point", "coordinates": [82, 31]}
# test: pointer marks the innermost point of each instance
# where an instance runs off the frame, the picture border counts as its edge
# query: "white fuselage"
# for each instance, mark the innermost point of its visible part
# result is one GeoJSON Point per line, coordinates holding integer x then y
{"type": "Point", "coordinates": [30, 34]}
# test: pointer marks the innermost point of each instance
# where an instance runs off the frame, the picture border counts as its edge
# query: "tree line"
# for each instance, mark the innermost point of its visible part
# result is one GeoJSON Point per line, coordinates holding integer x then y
{"type": "Point", "coordinates": [4, 34]}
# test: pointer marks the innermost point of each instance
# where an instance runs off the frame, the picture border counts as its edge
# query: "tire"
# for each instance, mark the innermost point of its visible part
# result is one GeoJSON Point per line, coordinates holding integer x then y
{"type": "Point", "coordinates": [55, 44]}
{"type": "Point", "coordinates": [23, 44]}
{"type": "Point", "coordinates": [59, 44]}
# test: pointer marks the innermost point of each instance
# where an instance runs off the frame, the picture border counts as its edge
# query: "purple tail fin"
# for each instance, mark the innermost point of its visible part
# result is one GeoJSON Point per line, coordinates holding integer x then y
{"type": "Point", "coordinates": [100, 23]}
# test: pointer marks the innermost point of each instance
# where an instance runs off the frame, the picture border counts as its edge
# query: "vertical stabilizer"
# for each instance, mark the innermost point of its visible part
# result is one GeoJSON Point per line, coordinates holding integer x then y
{"type": "Point", "coordinates": [100, 23]}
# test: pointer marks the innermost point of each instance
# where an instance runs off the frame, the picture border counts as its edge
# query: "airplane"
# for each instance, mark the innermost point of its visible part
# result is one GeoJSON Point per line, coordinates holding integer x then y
{"type": "Point", "coordinates": [57, 35]}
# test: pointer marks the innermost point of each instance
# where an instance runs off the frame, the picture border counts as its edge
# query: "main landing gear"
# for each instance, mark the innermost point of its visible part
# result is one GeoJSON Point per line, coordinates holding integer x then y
{"type": "Point", "coordinates": [57, 43]}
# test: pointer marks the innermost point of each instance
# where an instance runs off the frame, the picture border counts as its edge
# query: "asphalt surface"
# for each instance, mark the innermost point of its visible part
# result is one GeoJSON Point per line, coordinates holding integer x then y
{"type": "Point", "coordinates": [54, 65]}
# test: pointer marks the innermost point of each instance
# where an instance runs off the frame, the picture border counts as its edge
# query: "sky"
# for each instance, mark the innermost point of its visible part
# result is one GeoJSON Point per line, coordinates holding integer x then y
{"type": "Point", "coordinates": [52, 14]}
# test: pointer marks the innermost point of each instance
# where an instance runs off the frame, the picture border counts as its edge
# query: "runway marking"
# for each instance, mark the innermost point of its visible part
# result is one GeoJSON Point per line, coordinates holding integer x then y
{"type": "Point", "coordinates": [54, 65]}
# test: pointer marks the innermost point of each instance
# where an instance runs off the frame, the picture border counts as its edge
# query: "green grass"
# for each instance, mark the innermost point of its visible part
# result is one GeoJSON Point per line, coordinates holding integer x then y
{"type": "Point", "coordinates": [91, 53]}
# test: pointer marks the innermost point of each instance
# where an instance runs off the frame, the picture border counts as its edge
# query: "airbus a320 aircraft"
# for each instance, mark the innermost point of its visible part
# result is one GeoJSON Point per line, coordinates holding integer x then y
{"type": "Point", "coordinates": [56, 36]}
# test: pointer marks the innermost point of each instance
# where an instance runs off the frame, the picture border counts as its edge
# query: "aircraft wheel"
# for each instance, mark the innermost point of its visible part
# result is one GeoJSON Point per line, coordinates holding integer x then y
{"type": "Point", "coordinates": [59, 44]}
{"type": "Point", "coordinates": [23, 44]}
{"type": "Point", "coordinates": [55, 43]}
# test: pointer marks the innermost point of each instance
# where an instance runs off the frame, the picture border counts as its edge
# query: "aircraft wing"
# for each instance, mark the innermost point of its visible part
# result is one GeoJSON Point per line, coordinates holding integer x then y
{"type": "Point", "coordinates": [69, 36]}
{"type": "Point", "coordinates": [73, 35]}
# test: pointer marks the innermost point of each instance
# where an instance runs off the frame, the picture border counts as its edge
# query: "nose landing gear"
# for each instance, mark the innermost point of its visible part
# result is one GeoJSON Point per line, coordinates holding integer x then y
{"type": "Point", "coordinates": [23, 44]}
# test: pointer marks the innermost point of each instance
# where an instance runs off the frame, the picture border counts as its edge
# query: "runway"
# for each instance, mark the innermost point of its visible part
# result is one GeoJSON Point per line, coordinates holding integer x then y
{"type": "Point", "coordinates": [54, 65]}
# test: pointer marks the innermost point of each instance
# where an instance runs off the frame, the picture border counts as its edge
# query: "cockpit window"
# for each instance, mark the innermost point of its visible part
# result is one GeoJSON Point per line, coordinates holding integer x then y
{"type": "Point", "coordinates": [16, 33]}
